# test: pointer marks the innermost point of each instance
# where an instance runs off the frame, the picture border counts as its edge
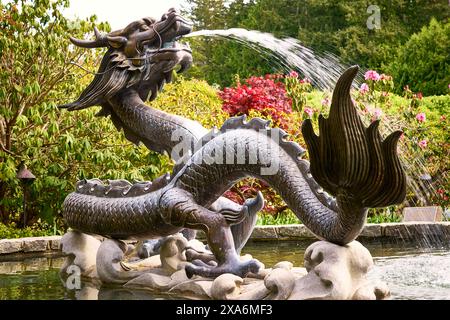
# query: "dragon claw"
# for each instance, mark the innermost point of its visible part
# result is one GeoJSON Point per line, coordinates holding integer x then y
{"type": "Point", "coordinates": [256, 204]}
{"type": "Point", "coordinates": [192, 255]}
{"type": "Point", "coordinates": [238, 268]}
{"type": "Point", "coordinates": [234, 217]}
{"type": "Point", "coordinates": [201, 263]}
{"type": "Point", "coordinates": [250, 207]}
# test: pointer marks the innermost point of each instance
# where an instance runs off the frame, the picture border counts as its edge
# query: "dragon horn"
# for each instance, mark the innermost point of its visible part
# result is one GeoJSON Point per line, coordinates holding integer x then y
{"type": "Point", "coordinates": [99, 42]}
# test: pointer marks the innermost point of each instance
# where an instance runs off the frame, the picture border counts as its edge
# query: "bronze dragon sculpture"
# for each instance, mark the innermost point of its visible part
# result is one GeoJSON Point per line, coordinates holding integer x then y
{"type": "Point", "coordinates": [348, 161]}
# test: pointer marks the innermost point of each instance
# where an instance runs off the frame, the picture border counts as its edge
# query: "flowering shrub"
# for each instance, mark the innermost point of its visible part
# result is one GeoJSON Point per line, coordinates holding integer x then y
{"type": "Point", "coordinates": [376, 114]}
{"type": "Point", "coordinates": [364, 88]}
{"type": "Point", "coordinates": [425, 143]}
{"type": "Point", "coordinates": [442, 197]}
{"type": "Point", "coordinates": [326, 102]}
{"type": "Point", "coordinates": [424, 146]}
{"type": "Point", "coordinates": [309, 111]}
{"type": "Point", "coordinates": [415, 97]}
{"type": "Point", "coordinates": [421, 117]}
{"type": "Point", "coordinates": [249, 188]}
{"type": "Point", "coordinates": [296, 89]}
{"type": "Point", "coordinates": [263, 94]}
{"type": "Point", "coordinates": [279, 98]}
{"type": "Point", "coordinates": [376, 88]}
{"type": "Point", "coordinates": [273, 96]}
{"type": "Point", "coordinates": [372, 75]}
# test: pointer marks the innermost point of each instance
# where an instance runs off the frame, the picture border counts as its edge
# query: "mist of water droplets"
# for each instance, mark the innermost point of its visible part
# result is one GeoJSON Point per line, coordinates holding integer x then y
{"type": "Point", "coordinates": [323, 70]}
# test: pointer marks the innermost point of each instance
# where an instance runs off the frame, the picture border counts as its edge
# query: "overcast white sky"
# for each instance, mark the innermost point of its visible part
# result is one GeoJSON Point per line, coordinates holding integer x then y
{"type": "Point", "coordinates": [120, 13]}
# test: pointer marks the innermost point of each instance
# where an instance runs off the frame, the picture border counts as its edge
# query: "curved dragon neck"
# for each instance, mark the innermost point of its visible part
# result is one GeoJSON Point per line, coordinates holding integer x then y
{"type": "Point", "coordinates": [158, 130]}
{"type": "Point", "coordinates": [161, 132]}
{"type": "Point", "coordinates": [199, 177]}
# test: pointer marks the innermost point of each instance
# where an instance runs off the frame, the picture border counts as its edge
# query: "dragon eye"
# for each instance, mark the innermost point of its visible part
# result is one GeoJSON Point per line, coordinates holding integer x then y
{"type": "Point", "coordinates": [144, 27]}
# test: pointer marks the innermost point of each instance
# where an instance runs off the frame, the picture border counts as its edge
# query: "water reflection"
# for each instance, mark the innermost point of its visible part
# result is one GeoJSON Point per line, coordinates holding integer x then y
{"type": "Point", "coordinates": [410, 272]}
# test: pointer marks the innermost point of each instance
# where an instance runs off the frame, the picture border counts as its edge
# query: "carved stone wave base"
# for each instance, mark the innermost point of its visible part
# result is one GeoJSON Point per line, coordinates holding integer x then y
{"type": "Point", "coordinates": [332, 271]}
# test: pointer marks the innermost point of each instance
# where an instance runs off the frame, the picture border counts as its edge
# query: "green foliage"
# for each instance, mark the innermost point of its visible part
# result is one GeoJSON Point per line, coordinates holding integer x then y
{"type": "Point", "coordinates": [296, 90]}
{"type": "Point", "coordinates": [387, 215]}
{"type": "Point", "coordinates": [192, 99]}
{"type": "Point", "coordinates": [423, 62]}
{"type": "Point", "coordinates": [208, 13]}
{"type": "Point", "coordinates": [215, 60]}
{"type": "Point", "coordinates": [339, 27]}
{"type": "Point", "coordinates": [424, 147]}
{"type": "Point", "coordinates": [286, 217]}
{"type": "Point", "coordinates": [58, 147]}
{"type": "Point", "coordinates": [36, 230]}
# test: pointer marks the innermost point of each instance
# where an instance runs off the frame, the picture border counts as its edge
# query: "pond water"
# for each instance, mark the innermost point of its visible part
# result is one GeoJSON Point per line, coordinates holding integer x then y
{"type": "Point", "coordinates": [410, 272]}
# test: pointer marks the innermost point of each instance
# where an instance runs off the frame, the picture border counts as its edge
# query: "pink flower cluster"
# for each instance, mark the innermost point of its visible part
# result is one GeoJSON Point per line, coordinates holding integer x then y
{"type": "Point", "coordinates": [385, 77]}
{"type": "Point", "coordinates": [309, 111]}
{"type": "Point", "coordinates": [326, 102]}
{"type": "Point", "coordinates": [372, 75]}
{"type": "Point", "coordinates": [273, 76]}
{"type": "Point", "coordinates": [423, 143]}
{"type": "Point", "coordinates": [441, 192]}
{"type": "Point", "coordinates": [364, 88]}
{"type": "Point", "coordinates": [293, 74]}
{"type": "Point", "coordinates": [421, 117]}
{"type": "Point", "coordinates": [377, 114]}
{"type": "Point", "coordinates": [305, 80]}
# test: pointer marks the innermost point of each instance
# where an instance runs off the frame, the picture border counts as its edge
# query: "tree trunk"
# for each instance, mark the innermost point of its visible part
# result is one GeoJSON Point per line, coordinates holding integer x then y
{"type": "Point", "coordinates": [6, 142]}
{"type": "Point", "coordinates": [3, 212]}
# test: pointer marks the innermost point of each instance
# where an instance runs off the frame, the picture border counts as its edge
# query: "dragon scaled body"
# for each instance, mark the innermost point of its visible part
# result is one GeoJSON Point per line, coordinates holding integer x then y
{"type": "Point", "coordinates": [349, 161]}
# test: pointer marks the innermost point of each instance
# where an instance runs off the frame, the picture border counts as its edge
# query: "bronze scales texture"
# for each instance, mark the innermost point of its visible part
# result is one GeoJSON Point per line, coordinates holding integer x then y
{"type": "Point", "coordinates": [350, 162]}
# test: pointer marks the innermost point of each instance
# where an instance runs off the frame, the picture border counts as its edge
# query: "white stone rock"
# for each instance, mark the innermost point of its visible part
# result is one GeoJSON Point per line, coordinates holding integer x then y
{"type": "Point", "coordinates": [335, 272]}
{"type": "Point", "coordinates": [150, 281]}
{"type": "Point", "coordinates": [109, 263]}
{"type": "Point", "coordinates": [226, 287]}
{"type": "Point", "coordinates": [194, 288]}
{"type": "Point", "coordinates": [332, 272]}
{"type": "Point", "coordinates": [145, 264]}
{"type": "Point", "coordinates": [280, 282]}
{"type": "Point", "coordinates": [284, 265]}
{"type": "Point", "coordinates": [82, 252]}
{"type": "Point", "coordinates": [172, 253]}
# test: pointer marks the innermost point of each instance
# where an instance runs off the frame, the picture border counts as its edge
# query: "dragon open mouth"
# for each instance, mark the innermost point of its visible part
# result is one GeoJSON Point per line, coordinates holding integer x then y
{"type": "Point", "coordinates": [145, 33]}
{"type": "Point", "coordinates": [144, 54]}
{"type": "Point", "coordinates": [173, 29]}
{"type": "Point", "coordinates": [176, 45]}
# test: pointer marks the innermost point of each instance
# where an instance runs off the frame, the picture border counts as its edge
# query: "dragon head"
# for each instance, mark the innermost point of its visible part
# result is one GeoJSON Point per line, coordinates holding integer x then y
{"type": "Point", "coordinates": [140, 57]}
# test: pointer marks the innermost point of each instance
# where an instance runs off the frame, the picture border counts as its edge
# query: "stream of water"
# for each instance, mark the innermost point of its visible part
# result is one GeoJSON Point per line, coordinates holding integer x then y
{"type": "Point", "coordinates": [323, 70]}
{"type": "Point", "coordinates": [286, 54]}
